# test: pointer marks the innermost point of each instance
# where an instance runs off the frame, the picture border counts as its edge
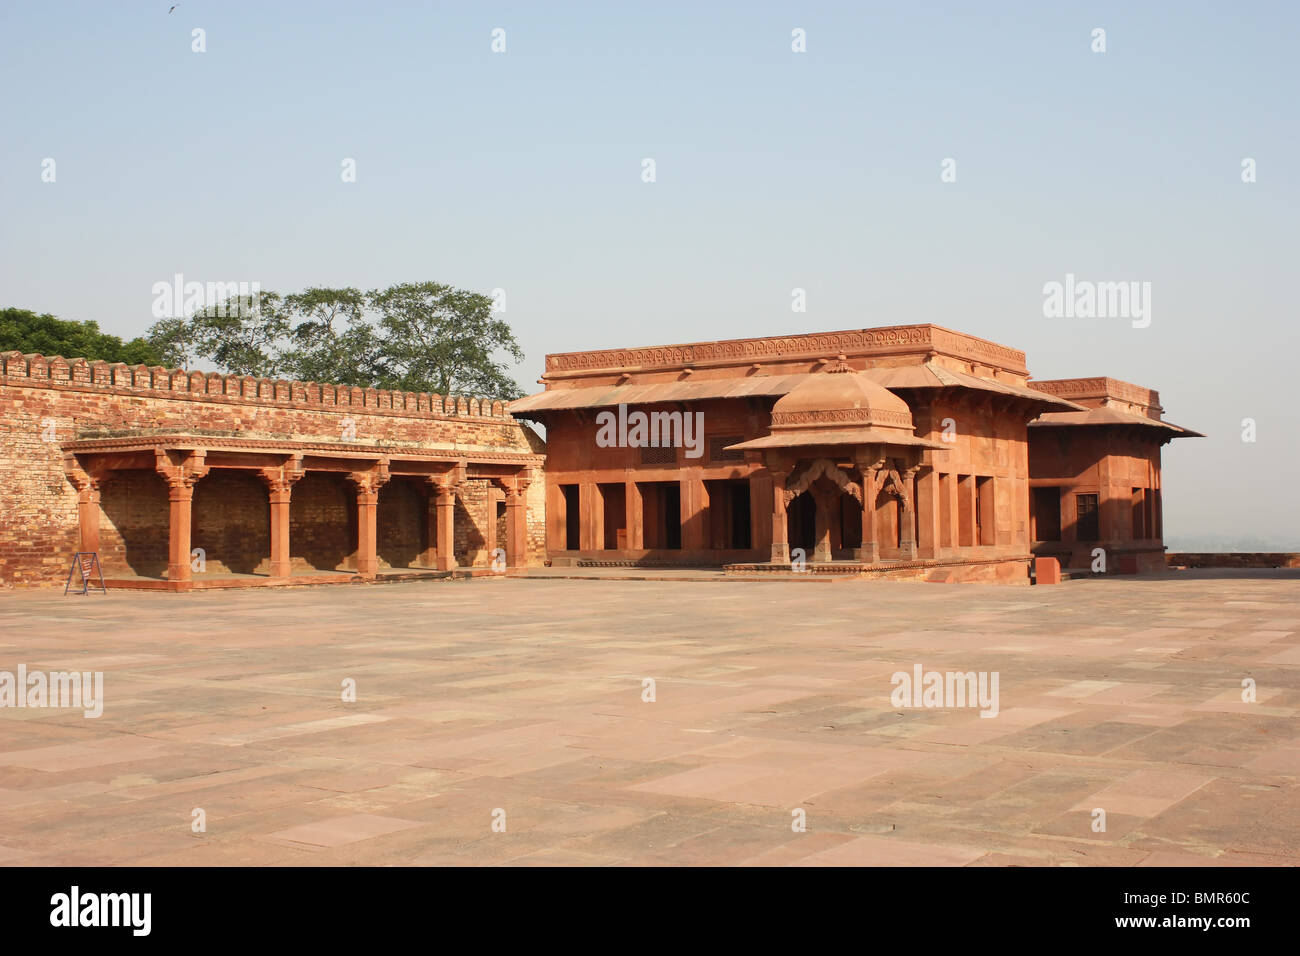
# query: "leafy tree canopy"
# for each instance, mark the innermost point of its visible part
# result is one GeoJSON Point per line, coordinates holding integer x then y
{"type": "Point", "coordinates": [439, 339]}
{"type": "Point", "coordinates": [419, 337]}
{"type": "Point", "coordinates": [24, 331]}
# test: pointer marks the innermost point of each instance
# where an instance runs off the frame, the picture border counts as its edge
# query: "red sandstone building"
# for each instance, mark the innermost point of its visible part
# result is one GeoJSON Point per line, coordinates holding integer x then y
{"type": "Point", "coordinates": [910, 451]}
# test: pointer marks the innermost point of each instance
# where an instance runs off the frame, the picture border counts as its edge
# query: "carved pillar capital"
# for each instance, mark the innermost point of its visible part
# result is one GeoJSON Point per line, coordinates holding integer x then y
{"type": "Point", "coordinates": [280, 479]}
{"type": "Point", "coordinates": [181, 476]}
{"type": "Point", "coordinates": [85, 478]}
{"type": "Point", "coordinates": [368, 482]}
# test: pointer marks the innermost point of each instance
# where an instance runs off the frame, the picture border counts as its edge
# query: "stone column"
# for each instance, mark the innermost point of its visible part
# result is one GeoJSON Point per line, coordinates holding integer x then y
{"type": "Point", "coordinates": [368, 484]}
{"type": "Point", "coordinates": [693, 510]}
{"type": "Point", "coordinates": [87, 483]}
{"type": "Point", "coordinates": [279, 482]}
{"type": "Point", "coordinates": [429, 557]}
{"type": "Point", "coordinates": [591, 529]}
{"type": "Point", "coordinates": [180, 479]}
{"type": "Point", "coordinates": [907, 533]}
{"type": "Point", "coordinates": [515, 490]}
{"type": "Point", "coordinates": [760, 514]}
{"type": "Point", "coordinates": [780, 531]}
{"type": "Point", "coordinates": [870, 550]}
{"type": "Point", "coordinates": [446, 504]}
{"type": "Point", "coordinates": [634, 516]}
{"type": "Point", "coordinates": [556, 512]}
{"type": "Point", "coordinates": [952, 491]}
{"type": "Point", "coordinates": [490, 543]}
{"type": "Point", "coordinates": [927, 513]}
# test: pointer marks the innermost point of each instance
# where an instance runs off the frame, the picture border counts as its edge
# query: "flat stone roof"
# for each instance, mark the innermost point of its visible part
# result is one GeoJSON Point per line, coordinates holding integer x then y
{"type": "Point", "coordinates": [925, 339]}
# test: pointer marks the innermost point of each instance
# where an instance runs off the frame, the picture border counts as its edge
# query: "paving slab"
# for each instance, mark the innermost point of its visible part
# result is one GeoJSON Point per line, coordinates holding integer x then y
{"type": "Point", "coordinates": [507, 722]}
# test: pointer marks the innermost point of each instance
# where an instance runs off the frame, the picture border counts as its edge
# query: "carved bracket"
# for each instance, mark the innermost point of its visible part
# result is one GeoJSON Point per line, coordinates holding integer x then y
{"type": "Point", "coordinates": [819, 468]}
{"type": "Point", "coordinates": [184, 475]}
{"type": "Point", "coordinates": [369, 482]}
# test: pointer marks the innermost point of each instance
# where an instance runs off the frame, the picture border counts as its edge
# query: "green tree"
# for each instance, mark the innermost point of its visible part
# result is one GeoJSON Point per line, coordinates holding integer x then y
{"type": "Point", "coordinates": [173, 339]}
{"type": "Point", "coordinates": [436, 338]}
{"type": "Point", "coordinates": [319, 350]}
{"type": "Point", "coordinates": [419, 337]}
{"type": "Point", "coordinates": [244, 335]}
{"type": "Point", "coordinates": [25, 331]}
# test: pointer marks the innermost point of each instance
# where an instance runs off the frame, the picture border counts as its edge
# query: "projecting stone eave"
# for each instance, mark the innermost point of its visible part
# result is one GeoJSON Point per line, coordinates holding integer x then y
{"type": "Point", "coordinates": [272, 446]}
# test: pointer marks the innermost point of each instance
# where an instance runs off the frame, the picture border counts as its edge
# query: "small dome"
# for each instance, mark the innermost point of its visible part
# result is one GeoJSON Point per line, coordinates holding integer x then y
{"type": "Point", "coordinates": [841, 397]}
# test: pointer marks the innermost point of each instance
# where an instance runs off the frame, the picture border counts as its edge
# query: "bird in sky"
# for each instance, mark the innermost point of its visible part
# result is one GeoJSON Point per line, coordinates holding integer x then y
{"type": "Point", "coordinates": [174, 6]}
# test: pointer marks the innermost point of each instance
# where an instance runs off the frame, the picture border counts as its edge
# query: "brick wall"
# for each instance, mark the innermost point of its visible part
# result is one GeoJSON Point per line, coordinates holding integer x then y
{"type": "Point", "coordinates": [133, 525]}
{"type": "Point", "coordinates": [45, 402]}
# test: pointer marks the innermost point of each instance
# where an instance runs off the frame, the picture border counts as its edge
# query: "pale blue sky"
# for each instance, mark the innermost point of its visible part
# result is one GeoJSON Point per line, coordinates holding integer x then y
{"type": "Point", "coordinates": [775, 170]}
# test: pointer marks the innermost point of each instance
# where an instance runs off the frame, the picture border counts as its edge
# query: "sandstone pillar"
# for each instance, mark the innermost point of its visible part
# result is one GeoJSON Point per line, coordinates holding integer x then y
{"type": "Point", "coordinates": [693, 511]}
{"type": "Point", "coordinates": [927, 514]}
{"type": "Point", "coordinates": [780, 531]}
{"type": "Point", "coordinates": [181, 476]}
{"type": "Point", "coordinates": [634, 516]}
{"type": "Point", "coordinates": [88, 510]}
{"type": "Point", "coordinates": [870, 550]}
{"type": "Point", "coordinates": [429, 556]}
{"type": "Point", "coordinates": [490, 543]}
{"type": "Point", "coordinates": [760, 513]}
{"type": "Point", "coordinates": [367, 484]}
{"type": "Point", "coordinates": [907, 532]}
{"type": "Point", "coordinates": [591, 527]}
{"type": "Point", "coordinates": [279, 482]}
{"type": "Point", "coordinates": [446, 505]}
{"type": "Point", "coordinates": [516, 521]}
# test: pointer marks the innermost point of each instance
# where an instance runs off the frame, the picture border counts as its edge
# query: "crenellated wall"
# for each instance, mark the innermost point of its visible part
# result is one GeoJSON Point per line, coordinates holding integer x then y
{"type": "Point", "coordinates": [46, 402]}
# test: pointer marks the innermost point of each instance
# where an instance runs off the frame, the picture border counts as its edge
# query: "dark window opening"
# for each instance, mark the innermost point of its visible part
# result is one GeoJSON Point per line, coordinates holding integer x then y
{"type": "Point", "coordinates": [1047, 514]}
{"type": "Point", "coordinates": [728, 514]}
{"type": "Point", "coordinates": [572, 517]}
{"type": "Point", "coordinates": [801, 524]}
{"type": "Point", "coordinates": [1088, 525]}
{"type": "Point", "coordinates": [661, 514]}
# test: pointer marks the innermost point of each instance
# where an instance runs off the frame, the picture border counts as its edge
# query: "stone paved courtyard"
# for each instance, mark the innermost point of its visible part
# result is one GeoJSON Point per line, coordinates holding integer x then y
{"type": "Point", "coordinates": [526, 695]}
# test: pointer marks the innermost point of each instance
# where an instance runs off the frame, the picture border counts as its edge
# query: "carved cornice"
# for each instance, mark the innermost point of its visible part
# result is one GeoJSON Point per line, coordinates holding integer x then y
{"type": "Point", "coordinates": [1100, 387]}
{"type": "Point", "coordinates": [885, 340]}
{"type": "Point", "coordinates": [280, 447]}
{"type": "Point", "coordinates": [843, 416]}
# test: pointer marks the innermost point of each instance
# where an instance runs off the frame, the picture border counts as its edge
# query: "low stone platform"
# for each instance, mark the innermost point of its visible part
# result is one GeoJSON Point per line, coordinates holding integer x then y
{"type": "Point", "coordinates": [218, 580]}
{"type": "Point", "coordinates": [944, 572]}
